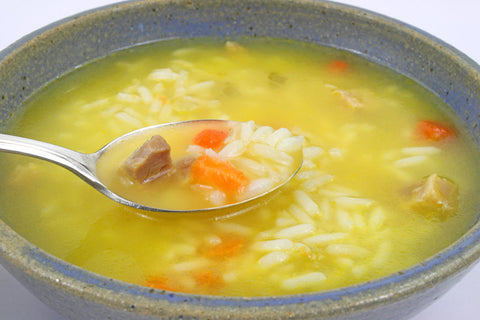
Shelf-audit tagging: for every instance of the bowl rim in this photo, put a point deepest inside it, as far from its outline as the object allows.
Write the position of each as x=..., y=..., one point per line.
x=456, y=259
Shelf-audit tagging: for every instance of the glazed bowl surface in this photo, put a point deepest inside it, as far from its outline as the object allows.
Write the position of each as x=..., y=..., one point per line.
x=44, y=55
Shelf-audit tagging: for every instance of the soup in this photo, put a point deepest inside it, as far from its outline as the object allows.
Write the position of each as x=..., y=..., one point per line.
x=388, y=178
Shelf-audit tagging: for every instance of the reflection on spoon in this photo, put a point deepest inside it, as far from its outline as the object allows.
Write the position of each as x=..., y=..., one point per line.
x=184, y=167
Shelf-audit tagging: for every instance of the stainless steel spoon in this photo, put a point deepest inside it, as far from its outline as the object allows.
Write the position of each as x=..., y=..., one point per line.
x=84, y=165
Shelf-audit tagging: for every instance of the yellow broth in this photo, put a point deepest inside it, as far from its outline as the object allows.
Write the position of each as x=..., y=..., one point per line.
x=344, y=219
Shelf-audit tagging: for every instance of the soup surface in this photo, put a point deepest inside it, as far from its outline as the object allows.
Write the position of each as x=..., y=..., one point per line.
x=388, y=178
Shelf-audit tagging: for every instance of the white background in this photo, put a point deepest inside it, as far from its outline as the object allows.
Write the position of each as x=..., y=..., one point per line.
x=455, y=22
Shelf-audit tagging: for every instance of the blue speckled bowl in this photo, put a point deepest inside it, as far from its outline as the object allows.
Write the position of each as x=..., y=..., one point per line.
x=44, y=55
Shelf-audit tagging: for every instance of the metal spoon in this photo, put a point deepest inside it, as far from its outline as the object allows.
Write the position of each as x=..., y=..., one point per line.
x=84, y=165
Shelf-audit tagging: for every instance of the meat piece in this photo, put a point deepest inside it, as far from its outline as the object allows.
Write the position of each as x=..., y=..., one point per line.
x=151, y=161
x=346, y=96
x=182, y=167
x=434, y=194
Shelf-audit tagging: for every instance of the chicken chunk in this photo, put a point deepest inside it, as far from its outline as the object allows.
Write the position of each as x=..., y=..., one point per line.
x=346, y=97
x=434, y=194
x=150, y=161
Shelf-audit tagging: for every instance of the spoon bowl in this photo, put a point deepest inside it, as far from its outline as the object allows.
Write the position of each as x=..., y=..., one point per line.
x=91, y=167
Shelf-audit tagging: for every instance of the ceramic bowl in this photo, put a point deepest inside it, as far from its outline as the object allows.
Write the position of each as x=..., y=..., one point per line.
x=50, y=52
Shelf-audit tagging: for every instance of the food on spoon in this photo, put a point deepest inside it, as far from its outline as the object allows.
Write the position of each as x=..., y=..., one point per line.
x=210, y=138
x=219, y=174
x=151, y=161
x=208, y=161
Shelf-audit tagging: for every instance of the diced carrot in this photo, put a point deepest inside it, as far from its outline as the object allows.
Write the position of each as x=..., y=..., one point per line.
x=228, y=247
x=162, y=99
x=208, y=278
x=161, y=282
x=434, y=131
x=210, y=138
x=337, y=66
x=218, y=174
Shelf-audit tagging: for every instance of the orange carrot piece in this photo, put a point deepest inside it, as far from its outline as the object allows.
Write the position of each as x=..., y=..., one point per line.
x=227, y=248
x=218, y=174
x=162, y=99
x=434, y=131
x=210, y=138
x=208, y=278
x=337, y=66
x=162, y=283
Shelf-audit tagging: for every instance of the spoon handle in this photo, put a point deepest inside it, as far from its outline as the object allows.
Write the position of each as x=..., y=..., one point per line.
x=81, y=164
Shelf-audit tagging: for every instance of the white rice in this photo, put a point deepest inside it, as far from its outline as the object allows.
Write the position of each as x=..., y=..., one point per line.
x=166, y=113
x=274, y=245
x=232, y=150
x=383, y=253
x=257, y=187
x=360, y=270
x=310, y=174
x=421, y=151
x=304, y=200
x=291, y=144
x=346, y=250
x=295, y=232
x=344, y=262
x=249, y=165
x=335, y=153
x=200, y=87
x=283, y=222
x=247, y=130
x=308, y=164
x=213, y=239
x=235, y=228
x=304, y=281
x=344, y=220
x=125, y=117
x=273, y=258
x=195, y=150
x=261, y=134
x=145, y=94
x=95, y=104
x=156, y=106
x=165, y=74
x=325, y=208
x=410, y=161
x=353, y=201
x=359, y=220
x=128, y=97
x=217, y=198
x=269, y=152
x=277, y=136
x=376, y=219
x=325, y=238
x=313, y=152
x=302, y=249
x=191, y=265
x=159, y=88
x=335, y=190
x=182, y=64
x=300, y=215
x=314, y=184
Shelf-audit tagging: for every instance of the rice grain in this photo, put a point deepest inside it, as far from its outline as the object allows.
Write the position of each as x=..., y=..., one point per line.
x=304, y=281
